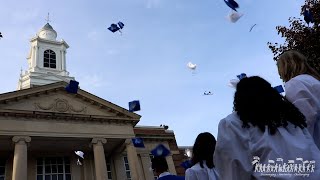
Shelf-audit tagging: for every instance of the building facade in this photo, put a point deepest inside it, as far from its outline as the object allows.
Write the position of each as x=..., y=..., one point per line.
x=42, y=125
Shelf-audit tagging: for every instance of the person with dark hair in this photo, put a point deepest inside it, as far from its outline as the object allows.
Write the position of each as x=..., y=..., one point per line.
x=202, y=158
x=265, y=136
x=302, y=85
x=160, y=167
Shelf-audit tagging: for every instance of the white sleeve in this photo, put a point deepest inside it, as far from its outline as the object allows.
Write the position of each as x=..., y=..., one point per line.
x=299, y=95
x=190, y=175
x=232, y=155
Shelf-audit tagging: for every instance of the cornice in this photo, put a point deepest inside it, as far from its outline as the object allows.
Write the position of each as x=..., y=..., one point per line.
x=65, y=117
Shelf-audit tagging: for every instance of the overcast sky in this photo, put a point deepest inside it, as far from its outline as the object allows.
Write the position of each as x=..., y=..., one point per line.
x=148, y=61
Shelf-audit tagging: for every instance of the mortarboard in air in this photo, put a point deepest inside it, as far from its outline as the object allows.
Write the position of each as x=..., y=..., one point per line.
x=113, y=28
x=191, y=66
x=233, y=83
x=279, y=89
x=207, y=93
x=186, y=164
x=134, y=106
x=1, y=35
x=79, y=153
x=72, y=87
x=138, y=142
x=234, y=17
x=160, y=150
x=241, y=76
x=232, y=4
x=308, y=17
x=121, y=25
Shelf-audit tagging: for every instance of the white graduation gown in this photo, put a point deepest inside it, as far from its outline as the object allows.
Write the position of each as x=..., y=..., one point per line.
x=196, y=172
x=236, y=147
x=304, y=92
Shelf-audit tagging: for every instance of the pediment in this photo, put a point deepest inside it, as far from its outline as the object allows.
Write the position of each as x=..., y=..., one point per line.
x=53, y=98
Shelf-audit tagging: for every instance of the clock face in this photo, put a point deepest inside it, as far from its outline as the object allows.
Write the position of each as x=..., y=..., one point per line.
x=47, y=35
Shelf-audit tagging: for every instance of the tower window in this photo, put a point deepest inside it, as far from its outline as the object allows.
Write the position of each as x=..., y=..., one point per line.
x=49, y=59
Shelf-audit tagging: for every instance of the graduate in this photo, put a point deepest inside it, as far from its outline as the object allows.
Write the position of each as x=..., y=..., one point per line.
x=302, y=86
x=202, y=159
x=266, y=134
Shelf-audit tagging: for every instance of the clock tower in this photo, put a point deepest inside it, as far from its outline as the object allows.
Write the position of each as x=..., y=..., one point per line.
x=46, y=60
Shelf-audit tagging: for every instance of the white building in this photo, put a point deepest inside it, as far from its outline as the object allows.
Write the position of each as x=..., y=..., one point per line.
x=41, y=125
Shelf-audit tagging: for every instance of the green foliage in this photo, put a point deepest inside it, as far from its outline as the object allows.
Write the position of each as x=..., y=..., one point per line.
x=301, y=36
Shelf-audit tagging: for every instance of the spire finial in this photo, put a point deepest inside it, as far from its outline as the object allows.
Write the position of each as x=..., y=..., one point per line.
x=48, y=18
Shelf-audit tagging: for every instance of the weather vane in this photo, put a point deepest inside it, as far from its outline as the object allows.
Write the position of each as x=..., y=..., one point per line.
x=48, y=18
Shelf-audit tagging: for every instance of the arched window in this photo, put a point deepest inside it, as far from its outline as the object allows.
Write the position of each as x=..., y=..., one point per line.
x=49, y=59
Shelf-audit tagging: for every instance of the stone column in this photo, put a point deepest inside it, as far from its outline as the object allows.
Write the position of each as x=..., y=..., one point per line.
x=20, y=158
x=146, y=165
x=64, y=52
x=99, y=158
x=133, y=161
x=171, y=165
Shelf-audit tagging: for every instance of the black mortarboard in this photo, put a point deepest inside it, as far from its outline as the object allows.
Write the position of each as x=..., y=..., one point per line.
x=279, y=89
x=134, y=106
x=121, y=25
x=241, y=76
x=113, y=28
x=72, y=87
x=160, y=150
x=186, y=164
x=308, y=16
x=138, y=142
x=232, y=4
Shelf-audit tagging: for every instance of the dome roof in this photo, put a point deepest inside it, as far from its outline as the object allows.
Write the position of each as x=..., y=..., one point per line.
x=47, y=32
x=47, y=27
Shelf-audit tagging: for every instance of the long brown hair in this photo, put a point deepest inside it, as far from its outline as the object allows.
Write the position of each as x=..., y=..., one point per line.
x=292, y=63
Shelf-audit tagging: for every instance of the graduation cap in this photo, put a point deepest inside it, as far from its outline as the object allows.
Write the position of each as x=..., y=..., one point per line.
x=232, y=4
x=134, y=106
x=308, y=17
x=72, y=87
x=138, y=142
x=234, y=17
x=241, y=76
x=233, y=83
x=121, y=25
x=113, y=28
x=279, y=89
x=207, y=93
x=80, y=154
x=160, y=150
x=1, y=35
x=186, y=164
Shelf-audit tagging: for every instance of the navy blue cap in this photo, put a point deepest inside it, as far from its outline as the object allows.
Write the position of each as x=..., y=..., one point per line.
x=232, y=4
x=241, y=76
x=72, y=87
x=186, y=164
x=308, y=17
x=113, y=28
x=134, y=106
x=138, y=142
x=160, y=150
x=121, y=25
x=279, y=89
